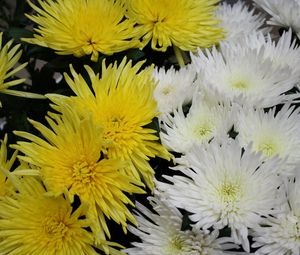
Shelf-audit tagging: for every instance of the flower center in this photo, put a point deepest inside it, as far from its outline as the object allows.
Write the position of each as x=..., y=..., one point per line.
x=240, y=85
x=229, y=192
x=167, y=90
x=268, y=148
x=175, y=245
x=203, y=130
x=114, y=127
x=119, y=131
x=187, y=243
x=55, y=228
x=83, y=172
x=91, y=42
x=296, y=232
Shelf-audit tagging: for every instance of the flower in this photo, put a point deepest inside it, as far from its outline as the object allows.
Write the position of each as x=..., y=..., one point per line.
x=227, y=186
x=283, y=53
x=238, y=20
x=203, y=122
x=186, y=24
x=283, y=13
x=83, y=27
x=161, y=233
x=174, y=88
x=279, y=234
x=32, y=223
x=275, y=133
x=244, y=75
x=9, y=57
x=69, y=159
x=122, y=102
x=6, y=186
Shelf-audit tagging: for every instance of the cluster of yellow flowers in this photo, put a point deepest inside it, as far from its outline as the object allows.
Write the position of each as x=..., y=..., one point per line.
x=97, y=148
x=91, y=27
x=97, y=145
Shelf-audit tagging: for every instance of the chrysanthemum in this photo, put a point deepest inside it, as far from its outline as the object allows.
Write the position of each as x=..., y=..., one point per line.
x=244, y=75
x=239, y=20
x=9, y=57
x=286, y=52
x=202, y=123
x=283, y=13
x=161, y=233
x=122, y=102
x=5, y=185
x=225, y=186
x=283, y=52
x=32, y=223
x=186, y=24
x=70, y=159
x=83, y=27
x=174, y=88
x=279, y=234
x=272, y=134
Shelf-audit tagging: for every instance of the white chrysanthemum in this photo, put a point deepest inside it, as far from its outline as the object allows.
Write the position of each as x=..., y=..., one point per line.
x=239, y=20
x=285, y=13
x=245, y=75
x=273, y=134
x=226, y=186
x=174, y=87
x=161, y=233
x=284, y=52
x=279, y=234
x=203, y=122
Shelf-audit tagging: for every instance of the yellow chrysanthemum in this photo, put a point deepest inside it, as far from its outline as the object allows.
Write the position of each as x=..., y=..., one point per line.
x=70, y=159
x=9, y=57
x=122, y=102
x=35, y=224
x=83, y=27
x=5, y=185
x=186, y=24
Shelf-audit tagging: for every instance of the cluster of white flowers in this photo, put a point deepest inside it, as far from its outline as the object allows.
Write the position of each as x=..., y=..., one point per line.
x=284, y=13
x=163, y=234
x=232, y=121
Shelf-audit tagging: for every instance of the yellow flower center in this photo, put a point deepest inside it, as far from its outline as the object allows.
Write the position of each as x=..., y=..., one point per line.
x=55, y=228
x=83, y=172
x=229, y=192
x=240, y=85
x=119, y=131
x=176, y=244
x=268, y=148
x=167, y=90
x=203, y=131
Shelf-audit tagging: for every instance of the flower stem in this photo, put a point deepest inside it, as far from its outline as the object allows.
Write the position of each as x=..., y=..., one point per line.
x=178, y=55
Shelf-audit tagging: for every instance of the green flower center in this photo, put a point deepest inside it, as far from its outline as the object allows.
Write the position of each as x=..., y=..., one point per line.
x=229, y=192
x=203, y=131
x=167, y=90
x=240, y=85
x=268, y=148
x=176, y=244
